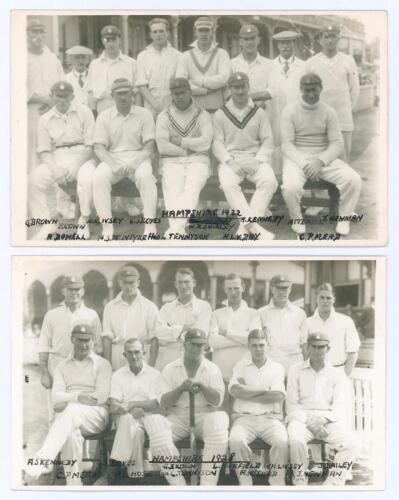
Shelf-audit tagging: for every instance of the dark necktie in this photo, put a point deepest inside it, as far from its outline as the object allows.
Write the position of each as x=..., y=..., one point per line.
x=80, y=80
x=286, y=67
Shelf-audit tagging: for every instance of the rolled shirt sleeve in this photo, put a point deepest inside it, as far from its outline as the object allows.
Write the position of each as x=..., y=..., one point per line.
x=148, y=130
x=88, y=127
x=354, y=84
x=101, y=133
x=45, y=344
x=107, y=325
x=352, y=341
x=44, y=143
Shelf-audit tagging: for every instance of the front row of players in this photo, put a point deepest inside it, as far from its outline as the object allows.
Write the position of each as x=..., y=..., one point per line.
x=122, y=143
x=143, y=400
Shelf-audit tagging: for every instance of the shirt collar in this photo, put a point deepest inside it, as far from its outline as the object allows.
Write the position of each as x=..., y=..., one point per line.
x=90, y=356
x=306, y=364
x=57, y=114
x=231, y=107
x=317, y=314
x=195, y=46
x=116, y=113
x=151, y=47
x=257, y=60
x=193, y=301
x=272, y=306
x=248, y=362
x=118, y=298
x=180, y=363
x=80, y=306
x=120, y=57
x=141, y=372
x=290, y=60
x=242, y=307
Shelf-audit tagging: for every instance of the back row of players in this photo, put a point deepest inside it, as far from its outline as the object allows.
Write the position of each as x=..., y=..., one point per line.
x=181, y=90
x=252, y=352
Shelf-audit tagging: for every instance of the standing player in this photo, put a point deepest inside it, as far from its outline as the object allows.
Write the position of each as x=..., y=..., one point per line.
x=55, y=335
x=129, y=315
x=156, y=65
x=257, y=386
x=65, y=145
x=284, y=324
x=340, y=77
x=176, y=317
x=184, y=136
x=104, y=70
x=124, y=142
x=132, y=397
x=257, y=67
x=230, y=326
x=243, y=146
x=190, y=373
x=312, y=143
x=205, y=66
x=44, y=69
x=80, y=58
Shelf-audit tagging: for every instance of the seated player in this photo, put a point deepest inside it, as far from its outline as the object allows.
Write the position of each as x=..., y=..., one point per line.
x=124, y=144
x=312, y=144
x=316, y=396
x=80, y=393
x=190, y=373
x=243, y=146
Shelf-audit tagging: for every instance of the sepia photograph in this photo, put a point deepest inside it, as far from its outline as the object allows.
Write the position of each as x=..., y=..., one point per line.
x=182, y=373
x=213, y=128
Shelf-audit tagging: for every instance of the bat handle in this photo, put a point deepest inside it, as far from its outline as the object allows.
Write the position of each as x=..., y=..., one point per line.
x=192, y=409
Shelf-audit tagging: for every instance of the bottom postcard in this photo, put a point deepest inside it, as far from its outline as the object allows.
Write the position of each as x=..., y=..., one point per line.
x=219, y=373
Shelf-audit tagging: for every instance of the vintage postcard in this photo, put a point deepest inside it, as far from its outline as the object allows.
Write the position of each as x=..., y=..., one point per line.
x=165, y=128
x=213, y=373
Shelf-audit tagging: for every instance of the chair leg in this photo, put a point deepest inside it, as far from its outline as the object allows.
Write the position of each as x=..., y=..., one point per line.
x=333, y=194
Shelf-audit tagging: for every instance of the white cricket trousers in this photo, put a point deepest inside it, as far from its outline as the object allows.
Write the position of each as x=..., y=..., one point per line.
x=211, y=427
x=129, y=443
x=265, y=186
x=182, y=182
x=339, y=438
x=104, y=177
x=42, y=196
x=337, y=172
x=66, y=435
x=246, y=429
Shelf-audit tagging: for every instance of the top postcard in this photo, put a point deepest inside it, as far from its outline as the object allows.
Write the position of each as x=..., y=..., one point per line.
x=250, y=129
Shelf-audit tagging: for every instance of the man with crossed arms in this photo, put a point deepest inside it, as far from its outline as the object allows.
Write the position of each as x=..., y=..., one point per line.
x=132, y=396
x=184, y=135
x=243, y=146
x=124, y=143
x=175, y=317
x=80, y=393
x=230, y=326
x=190, y=373
x=129, y=315
x=205, y=66
x=258, y=387
x=314, y=407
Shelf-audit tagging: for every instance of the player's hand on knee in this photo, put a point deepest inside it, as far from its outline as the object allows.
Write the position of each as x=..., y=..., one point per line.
x=46, y=380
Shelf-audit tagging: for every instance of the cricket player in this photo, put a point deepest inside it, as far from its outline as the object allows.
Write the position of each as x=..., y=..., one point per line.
x=184, y=134
x=176, y=317
x=258, y=389
x=312, y=144
x=243, y=146
x=206, y=66
x=132, y=396
x=257, y=67
x=108, y=67
x=129, y=315
x=156, y=66
x=340, y=77
x=44, y=69
x=230, y=326
x=314, y=407
x=80, y=58
x=55, y=335
x=190, y=373
x=65, y=146
x=284, y=324
x=124, y=141
x=80, y=392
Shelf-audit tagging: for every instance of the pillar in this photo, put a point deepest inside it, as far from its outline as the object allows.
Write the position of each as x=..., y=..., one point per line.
x=174, y=21
x=125, y=34
x=254, y=264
